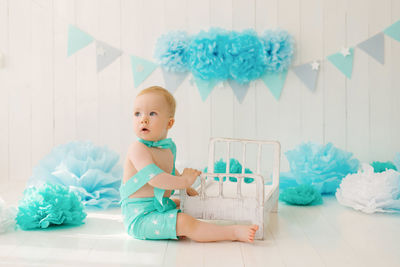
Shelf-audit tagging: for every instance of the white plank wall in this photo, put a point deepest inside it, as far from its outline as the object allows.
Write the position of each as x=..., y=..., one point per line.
x=4, y=91
x=47, y=98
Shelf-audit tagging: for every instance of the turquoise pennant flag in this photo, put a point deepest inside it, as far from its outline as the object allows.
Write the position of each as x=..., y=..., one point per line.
x=205, y=87
x=393, y=31
x=343, y=61
x=275, y=82
x=77, y=39
x=141, y=69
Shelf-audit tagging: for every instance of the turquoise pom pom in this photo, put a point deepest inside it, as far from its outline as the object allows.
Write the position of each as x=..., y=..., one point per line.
x=383, y=166
x=278, y=47
x=247, y=56
x=322, y=166
x=234, y=167
x=302, y=195
x=396, y=161
x=49, y=205
x=171, y=51
x=207, y=55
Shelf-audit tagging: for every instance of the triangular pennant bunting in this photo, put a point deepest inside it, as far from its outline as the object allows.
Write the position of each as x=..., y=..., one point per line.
x=374, y=47
x=275, y=82
x=343, y=61
x=141, y=69
x=205, y=87
x=308, y=74
x=77, y=39
x=240, y=90
x=173, y=79
x=393, y=31
x=106, y=55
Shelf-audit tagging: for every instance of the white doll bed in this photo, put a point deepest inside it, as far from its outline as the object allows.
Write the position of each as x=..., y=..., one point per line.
x=236, y=201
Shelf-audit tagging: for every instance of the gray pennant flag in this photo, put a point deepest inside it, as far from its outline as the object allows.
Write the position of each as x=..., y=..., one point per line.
x=173, y=79
x=307, y=74
x=106, y=54
x=374, y=47
x=240, y=90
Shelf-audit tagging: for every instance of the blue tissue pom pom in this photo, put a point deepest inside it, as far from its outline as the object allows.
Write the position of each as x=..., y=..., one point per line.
x=207, y=55
x=248, y=61
x=90, y=171
x=172, y=51
x=383, y=166
x=234, y=167
x=322, y=166
x=278, y=47
x=302, y=195
x=49, y=205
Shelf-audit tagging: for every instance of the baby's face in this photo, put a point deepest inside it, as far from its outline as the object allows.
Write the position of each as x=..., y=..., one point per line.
x=151, y=117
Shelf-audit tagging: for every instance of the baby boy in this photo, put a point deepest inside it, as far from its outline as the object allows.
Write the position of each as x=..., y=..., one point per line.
x=150, y=178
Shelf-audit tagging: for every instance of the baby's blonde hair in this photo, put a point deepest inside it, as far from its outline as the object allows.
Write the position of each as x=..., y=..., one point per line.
x=167, y=95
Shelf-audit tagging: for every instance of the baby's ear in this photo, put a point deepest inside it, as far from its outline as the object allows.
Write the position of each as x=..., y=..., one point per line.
x=170, y=123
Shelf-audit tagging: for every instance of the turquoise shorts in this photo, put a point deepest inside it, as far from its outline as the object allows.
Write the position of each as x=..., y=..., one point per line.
x=144, y=219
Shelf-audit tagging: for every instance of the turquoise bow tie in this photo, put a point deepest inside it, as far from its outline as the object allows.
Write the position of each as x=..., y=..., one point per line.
x=164, y=143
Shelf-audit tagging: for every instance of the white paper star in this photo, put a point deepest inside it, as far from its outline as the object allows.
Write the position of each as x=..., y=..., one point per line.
x=315, y=65
x=345, y=51
x=140, y=68
x=191, y=81
x=100, y=51
x=157, y=232
x=136, y=210
x=220, y=85
x=135, y=180
x=151, y=175
x=171, y=215
x=155, y=222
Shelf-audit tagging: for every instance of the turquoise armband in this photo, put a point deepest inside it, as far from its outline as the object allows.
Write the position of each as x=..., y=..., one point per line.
x=137, y=181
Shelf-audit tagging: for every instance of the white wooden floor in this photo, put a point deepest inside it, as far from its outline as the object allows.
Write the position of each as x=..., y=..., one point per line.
x=326, y=235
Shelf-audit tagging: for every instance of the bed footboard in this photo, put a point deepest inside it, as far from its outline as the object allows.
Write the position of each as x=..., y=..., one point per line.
x=239, y=208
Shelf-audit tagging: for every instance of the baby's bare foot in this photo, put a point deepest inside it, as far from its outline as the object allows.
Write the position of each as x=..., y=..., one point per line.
x=245, y=233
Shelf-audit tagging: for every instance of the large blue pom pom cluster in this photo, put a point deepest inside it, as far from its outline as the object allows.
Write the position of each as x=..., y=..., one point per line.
x=220, y=55
x=49, y=205
x=90, y=171
x=322, y=166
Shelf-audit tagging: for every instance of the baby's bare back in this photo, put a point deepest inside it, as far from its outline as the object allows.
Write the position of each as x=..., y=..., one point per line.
x=163, y=158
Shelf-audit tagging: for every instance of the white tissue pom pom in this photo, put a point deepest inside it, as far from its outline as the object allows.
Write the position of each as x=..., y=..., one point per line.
x=371, y=192
x=7, y=216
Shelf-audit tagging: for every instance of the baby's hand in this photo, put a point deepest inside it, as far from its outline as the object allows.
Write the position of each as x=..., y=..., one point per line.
x=190, y=175
x=191, y=192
